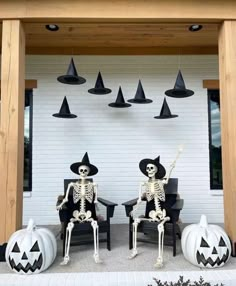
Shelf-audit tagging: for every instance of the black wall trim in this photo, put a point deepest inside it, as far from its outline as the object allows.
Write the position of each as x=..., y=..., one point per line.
x=29, y=102
x=210, y=93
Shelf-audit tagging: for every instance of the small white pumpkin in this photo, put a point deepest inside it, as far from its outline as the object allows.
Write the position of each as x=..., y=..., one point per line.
x=205, y=245
x=31, y=250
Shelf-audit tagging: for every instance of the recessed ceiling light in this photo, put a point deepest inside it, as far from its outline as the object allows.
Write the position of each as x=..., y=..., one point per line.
x=52, y=27
x=195, y=28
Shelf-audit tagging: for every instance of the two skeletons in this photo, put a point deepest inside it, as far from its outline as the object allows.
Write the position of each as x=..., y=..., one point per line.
x=83, y=190
x=153, y=189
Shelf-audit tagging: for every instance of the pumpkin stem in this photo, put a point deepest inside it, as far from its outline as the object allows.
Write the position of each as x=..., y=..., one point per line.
x=203, y=221
x=31, y=225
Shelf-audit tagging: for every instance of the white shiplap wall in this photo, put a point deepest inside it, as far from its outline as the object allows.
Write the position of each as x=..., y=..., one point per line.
x=117, y=139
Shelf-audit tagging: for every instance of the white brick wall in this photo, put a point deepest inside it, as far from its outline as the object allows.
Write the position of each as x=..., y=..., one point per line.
x=117, y=139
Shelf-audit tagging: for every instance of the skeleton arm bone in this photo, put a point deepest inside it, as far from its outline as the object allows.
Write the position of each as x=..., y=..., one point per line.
x=166, y=179
x=95, y=189
x=141, y=193
x=172, y=165
x=65, y=200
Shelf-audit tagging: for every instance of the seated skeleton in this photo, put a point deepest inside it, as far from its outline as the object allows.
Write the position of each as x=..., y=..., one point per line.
x=152, y=190
x=83, y=190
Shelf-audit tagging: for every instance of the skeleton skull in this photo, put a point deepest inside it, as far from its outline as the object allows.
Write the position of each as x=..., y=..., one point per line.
x=151, y=169
x=84, y=171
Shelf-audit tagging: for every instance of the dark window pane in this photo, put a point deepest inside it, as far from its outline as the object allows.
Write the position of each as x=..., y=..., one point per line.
x=28, y=142
x=215, y=140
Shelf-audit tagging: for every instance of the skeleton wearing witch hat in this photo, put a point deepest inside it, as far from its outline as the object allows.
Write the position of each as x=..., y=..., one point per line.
x=153, y=190
x=84, y=192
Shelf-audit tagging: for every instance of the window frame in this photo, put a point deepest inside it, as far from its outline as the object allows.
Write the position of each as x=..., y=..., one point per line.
x=29, y=93
x=212, y=185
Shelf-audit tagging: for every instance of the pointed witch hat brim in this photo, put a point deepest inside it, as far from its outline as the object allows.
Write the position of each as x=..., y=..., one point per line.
x=71, y=77
x=64, y=111
x=179, y=90
x=85, y=161
x=120, y=101
x=165, y=112
x=161, y=172
x=140, y=95
x=99, y=86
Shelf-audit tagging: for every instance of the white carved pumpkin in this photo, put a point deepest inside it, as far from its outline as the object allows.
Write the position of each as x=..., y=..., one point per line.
x=31, y=250
x=205, y=245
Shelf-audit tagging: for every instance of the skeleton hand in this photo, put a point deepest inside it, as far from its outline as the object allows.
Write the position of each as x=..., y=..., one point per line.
x=59, y=207
x=135, y=207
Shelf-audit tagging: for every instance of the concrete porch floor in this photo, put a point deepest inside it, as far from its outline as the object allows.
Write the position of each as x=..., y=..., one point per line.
x=116, y=261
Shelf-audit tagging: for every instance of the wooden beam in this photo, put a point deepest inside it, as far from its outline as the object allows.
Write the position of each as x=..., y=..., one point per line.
x=211, y=83
x=227, y=62
x=123, y=50
x=29, y=83
x=119, y=10
x=12, y=127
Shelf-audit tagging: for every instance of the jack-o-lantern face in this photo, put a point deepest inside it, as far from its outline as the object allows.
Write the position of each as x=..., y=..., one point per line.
x=31, y=250
x=205, y=245
x=23, y=260
x=212, y=255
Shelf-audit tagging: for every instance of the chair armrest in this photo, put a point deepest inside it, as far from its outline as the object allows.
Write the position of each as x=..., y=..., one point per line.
x=130, y=203
x=129, y=206
x=178, y=205
x=106, y=203
x=109, y=205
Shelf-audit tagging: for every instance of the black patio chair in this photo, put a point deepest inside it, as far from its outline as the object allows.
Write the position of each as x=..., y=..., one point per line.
x=173, y=205
x=82, y=232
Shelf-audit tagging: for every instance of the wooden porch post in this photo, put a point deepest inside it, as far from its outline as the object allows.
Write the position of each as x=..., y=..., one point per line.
x=12, y=127
x=227, y=63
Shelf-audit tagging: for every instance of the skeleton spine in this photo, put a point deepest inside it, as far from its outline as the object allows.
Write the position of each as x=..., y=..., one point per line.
x=82, y=205
x=157, y=203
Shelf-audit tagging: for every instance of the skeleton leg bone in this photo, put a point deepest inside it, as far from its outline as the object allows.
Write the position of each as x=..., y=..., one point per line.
x=161, y=230
x=135, y=229
x=69, y=229
x=94, y=225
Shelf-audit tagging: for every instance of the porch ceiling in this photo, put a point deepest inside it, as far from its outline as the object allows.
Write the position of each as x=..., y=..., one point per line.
x=121, y=38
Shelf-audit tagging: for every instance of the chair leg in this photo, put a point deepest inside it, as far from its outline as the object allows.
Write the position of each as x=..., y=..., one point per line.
x=174, y=238
x=64, y=238
x=130, y=234
x=109, y=240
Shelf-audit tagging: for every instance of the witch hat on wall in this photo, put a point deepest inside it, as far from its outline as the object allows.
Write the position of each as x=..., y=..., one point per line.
x=64, y=111
x=71, y=77
x=120, y=101
x=161, y=169
x=85, y=161
x=99, y=86
x=165, y=112
x=179, y=90
x=140, y=95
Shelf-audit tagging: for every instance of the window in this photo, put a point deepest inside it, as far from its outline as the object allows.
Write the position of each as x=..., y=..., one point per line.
x=28, y=140
x=215, y=140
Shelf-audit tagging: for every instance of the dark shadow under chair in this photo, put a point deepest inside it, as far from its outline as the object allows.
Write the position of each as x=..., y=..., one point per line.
x=82, y=232
x=173, y=205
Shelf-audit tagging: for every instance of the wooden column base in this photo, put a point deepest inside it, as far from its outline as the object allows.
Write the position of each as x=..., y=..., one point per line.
x=2, y=251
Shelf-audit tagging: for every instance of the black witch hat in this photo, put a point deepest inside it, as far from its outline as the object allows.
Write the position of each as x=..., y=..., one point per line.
x=140, y=95
x=64, y=111
x=161, y=171
x=165, y=112
x=179, y=90
x=85, y=161
x=71, y=76
x=99, y=86
x=120, y=101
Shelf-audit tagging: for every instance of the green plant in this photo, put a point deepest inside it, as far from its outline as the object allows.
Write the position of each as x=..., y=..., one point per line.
x=181, y=282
